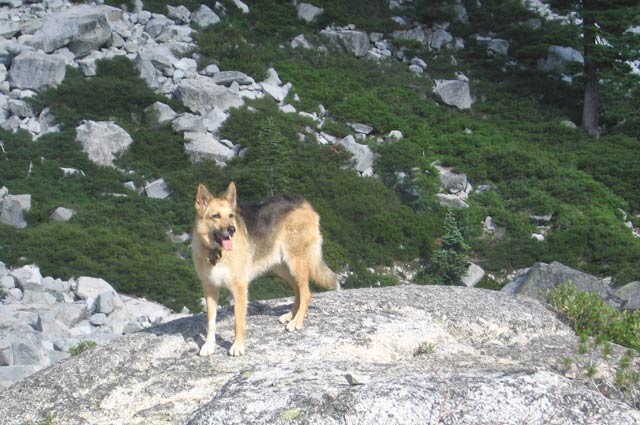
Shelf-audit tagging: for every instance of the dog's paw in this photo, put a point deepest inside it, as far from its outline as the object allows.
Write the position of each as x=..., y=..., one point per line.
x=294, y=326
x=286, y=318
x=236, y=350
x=208, y=348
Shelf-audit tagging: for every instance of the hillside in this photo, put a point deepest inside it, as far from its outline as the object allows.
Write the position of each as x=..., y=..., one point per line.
x=296, y=101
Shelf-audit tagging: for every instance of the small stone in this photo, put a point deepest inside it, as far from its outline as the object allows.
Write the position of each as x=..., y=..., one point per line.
x=98, y=319
x=157, y=189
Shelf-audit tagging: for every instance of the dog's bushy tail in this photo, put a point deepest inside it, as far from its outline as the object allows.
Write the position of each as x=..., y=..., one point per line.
x=322, y=275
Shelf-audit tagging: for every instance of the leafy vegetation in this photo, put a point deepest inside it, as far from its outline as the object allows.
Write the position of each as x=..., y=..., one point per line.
x=590, y=315
x=81, y=347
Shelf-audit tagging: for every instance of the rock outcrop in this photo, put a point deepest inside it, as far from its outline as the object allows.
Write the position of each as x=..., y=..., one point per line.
x=41, y=318
x=535, y=281
x=397, y=355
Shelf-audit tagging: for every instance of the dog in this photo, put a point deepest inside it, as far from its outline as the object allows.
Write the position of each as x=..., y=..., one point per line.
x=233, y=244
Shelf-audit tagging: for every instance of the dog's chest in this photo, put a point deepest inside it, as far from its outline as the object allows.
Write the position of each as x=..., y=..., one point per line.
x=220, y=276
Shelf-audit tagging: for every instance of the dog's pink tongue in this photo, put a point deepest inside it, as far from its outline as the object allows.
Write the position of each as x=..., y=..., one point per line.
x=226, y=244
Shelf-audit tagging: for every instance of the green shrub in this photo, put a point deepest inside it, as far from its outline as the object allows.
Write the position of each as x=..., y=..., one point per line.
x=81, y=347
x=589, y=314
x=116, y=93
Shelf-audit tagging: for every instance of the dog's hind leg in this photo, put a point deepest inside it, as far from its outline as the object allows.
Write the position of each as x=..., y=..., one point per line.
x=284, y=273
x=300, y=272
x=211, y=294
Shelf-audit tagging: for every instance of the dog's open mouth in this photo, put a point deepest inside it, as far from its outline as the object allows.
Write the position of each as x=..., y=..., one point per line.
x=224, y=242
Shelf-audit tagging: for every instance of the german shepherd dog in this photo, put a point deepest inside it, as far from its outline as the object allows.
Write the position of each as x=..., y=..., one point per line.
x=234, y=244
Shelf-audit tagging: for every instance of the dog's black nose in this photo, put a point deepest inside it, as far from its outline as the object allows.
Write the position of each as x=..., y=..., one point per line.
x=231, y=230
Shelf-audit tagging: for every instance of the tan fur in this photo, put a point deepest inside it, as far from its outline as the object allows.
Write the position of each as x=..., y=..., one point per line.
x=292, y=249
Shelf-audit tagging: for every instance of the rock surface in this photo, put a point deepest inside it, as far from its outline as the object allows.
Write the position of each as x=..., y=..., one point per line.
x=397, y=355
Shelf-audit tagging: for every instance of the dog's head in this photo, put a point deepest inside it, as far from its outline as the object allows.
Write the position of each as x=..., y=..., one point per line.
x=216, y=218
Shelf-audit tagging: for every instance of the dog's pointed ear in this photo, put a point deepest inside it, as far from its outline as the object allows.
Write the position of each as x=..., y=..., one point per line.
x=202, y=199
x=230, y=194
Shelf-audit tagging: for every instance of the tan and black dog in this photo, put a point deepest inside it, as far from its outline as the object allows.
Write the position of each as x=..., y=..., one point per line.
x=234, y=244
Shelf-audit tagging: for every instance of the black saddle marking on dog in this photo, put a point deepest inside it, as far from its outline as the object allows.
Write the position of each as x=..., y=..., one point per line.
x=262, y=217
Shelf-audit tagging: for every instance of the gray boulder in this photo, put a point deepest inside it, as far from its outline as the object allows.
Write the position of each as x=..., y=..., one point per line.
x=189, y=123
x=103, y=141
x=452, y=182
x=451, y=201
x=498, y=47
x=157, y=189
x=362, y=155
x=558, y=59
x=226, y=78
x=240, y=5
x=205, y=147
x=12, y=208
x=27, y=277
x=38, y=298
x=214, y=120
x=440, y=39
x=536, y=281
x=20, y=108
x=105, y=302
x=147, y=71
x=201, y=94
x=179, y=14
x=62, y=214
x=308, y=12
x=454, y=93
x=631, y=294
x=204, y=16
x=145, y=311
x=159, y=114
x=360, y=128
x=98, y=319
x=301, y=41
x=473, y=275
x=70, y=314
x=90, y=288
x=36, y=70
x=80, y=28
x=188, y=66
x=418, y=33
x=7, y=282
x=354, y=42
x=397, y=355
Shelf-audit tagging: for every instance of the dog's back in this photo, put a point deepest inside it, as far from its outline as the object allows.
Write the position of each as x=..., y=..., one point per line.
x=284, y=232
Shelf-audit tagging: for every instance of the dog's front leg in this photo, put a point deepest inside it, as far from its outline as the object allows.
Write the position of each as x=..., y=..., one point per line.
x=239, y=293
x=211, y=294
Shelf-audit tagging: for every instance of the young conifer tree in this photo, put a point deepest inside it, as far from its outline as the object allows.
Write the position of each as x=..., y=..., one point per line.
x=450, y=261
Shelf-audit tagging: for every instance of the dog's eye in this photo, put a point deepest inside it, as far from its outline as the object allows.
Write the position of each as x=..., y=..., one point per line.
x=230, y=215
x=216, y=215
